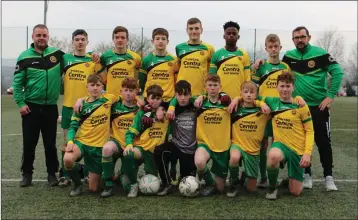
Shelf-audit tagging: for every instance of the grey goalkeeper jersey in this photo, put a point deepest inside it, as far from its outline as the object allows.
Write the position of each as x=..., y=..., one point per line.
x=184, y=129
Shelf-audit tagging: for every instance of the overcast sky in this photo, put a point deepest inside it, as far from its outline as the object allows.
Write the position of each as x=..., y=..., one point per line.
x=99, y=18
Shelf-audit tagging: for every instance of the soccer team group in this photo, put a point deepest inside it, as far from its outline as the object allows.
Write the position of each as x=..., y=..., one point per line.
x=198, y=105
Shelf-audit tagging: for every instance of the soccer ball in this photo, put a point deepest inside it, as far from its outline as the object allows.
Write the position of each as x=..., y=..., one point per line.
x=149, y=184
x=189, y=186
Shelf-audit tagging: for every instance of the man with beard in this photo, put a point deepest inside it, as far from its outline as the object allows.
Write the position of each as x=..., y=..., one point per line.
x=310, y=65
x=231, y=63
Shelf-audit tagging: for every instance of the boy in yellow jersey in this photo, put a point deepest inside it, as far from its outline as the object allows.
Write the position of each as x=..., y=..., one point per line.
x=293, y=137
x=194, y=57
x=93, y=123
x=231, y=63
x=122, y=116
x=159, y=67
x=141, y=140
x=248, y=126
x=266, y=78
x=76, y=68
x=119, y=62
x=213, y=137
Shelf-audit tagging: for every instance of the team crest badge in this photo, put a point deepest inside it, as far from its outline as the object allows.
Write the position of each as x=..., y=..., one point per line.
x=293, y=111
x=87, y=64
x=240, y=58
x=308, y=114
x=53, y=59
x=311, y=64
x=170, y=64
x=106, y=105
x=201, y=52
x=129, y=62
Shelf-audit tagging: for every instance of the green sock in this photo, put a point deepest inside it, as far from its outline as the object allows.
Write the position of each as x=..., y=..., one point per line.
x=108, y=168
x=263, y=163
x=234, y=173
x=129, y=167
x=64, y=171
x=75, y=175
x=272, y=174
x=206, y=175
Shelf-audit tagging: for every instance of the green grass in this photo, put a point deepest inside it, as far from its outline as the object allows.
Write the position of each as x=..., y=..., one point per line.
x=43, y=202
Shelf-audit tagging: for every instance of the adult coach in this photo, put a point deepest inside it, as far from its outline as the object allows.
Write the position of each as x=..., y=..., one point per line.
x=36, y=84
x=310, y=65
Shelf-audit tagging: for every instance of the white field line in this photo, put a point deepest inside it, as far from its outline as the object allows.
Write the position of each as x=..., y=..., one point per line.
x=314, y=180
x=333, y=129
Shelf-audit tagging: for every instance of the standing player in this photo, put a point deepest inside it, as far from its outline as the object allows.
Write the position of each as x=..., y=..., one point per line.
x=119, y=62
x=293, y=137
x=76, y=69
x=159, y=67
x=213, y=136
x=93, y=123
x=194, y=57
x=231, y=63
x=122, y=116
x=266, y=78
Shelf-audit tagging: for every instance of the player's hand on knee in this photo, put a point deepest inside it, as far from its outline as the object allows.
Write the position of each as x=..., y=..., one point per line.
x=305, y=160
x=170, y=114
x=128, y=149
x=224, y=99
x=77, y=108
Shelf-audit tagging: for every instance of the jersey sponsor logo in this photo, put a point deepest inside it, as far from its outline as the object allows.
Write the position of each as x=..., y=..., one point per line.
x=155, y=133
x=271, y=83
x=124, y=124
x=248, y=126
x=98, y=120
x=212, y=118
x=192, y=63
x=36, y=62
x=53, y=59
x=77, y=75
x=283, y=123
x=311, y=64
x=119, y=73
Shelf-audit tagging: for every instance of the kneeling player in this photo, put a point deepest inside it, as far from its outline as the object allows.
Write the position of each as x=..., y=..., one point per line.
x=293, y=135
x=122, y=115
x=248, y=126
x=142, y=140
x=94, y=124
x=213, y=136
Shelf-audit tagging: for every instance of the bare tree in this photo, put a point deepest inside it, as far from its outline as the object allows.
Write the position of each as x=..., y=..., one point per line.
x=333, y=42
x=134, y=44
x=64, y=44
x=260, y=53
x=351, y=67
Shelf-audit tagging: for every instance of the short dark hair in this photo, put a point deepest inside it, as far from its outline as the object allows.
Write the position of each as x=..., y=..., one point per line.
x=130, y=83
x=160, y=31
x=155, y=90
x=193, y=21
x=301, y=28
x=287, y=77
x=42, y=26
x=95, y=78
x=119, y=29
x=231, y=24
x=183, y=87
x=79, y=32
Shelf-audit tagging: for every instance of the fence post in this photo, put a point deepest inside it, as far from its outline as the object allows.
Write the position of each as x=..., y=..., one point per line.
x=27, y=37
x=141, y=44
x=255, y=46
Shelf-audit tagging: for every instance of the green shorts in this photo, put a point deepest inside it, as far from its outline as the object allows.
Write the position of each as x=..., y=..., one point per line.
x=220, y=161
x=66, y=117
x=251, y=162
x=119, y=154
x=149, y=163
x=268, y=129
x=292, y=160
x=92, y=157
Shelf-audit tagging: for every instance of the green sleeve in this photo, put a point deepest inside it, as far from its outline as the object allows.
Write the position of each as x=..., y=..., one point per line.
x=74, y=125
x=173, y=103
x=170, y=129
x=256, y=76
x=213, y=68
x=135, y=129
x=18, y=83
x=142, y=77
x=336, y=72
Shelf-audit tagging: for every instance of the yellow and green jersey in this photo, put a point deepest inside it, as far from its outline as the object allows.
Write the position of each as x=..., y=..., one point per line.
x=93, y=122
x=146, y=138
x=76, y=70
x=266, y=78
x=118, y=67
x=213, y=126
x=292, y=125
x=248, y=128
x=159, y=70
x=194, y=64
x=122, y=117
x=233, y=67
